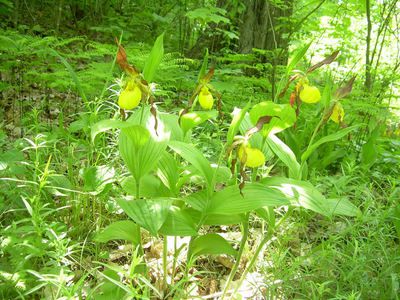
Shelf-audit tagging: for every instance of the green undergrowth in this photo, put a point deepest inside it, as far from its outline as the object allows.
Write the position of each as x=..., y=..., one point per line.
x=61, y=185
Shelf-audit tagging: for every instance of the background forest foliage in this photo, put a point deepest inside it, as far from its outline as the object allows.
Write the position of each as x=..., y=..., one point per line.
x=68, y=230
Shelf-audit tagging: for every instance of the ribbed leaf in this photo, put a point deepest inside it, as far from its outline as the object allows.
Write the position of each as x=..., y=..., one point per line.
x=195, y=157
x=222, y=173
x=304, y=194
x=140, y=160
x=192, y=119
x=197, y=200
x=149, y=186
x=168, y=172
x=342, y=207
x=297, y=57
x=149, y=214
x=329, y=138
x=120, y=230
x=255, y=195
x=178, y=223
x=138, y=134
x=210, y=244
x=154, y=59
x=171, y=123
x=285, y=154
x=283, y=116
x=95, y=178
x=105, y=125
x=216, y=219
x=300, y=193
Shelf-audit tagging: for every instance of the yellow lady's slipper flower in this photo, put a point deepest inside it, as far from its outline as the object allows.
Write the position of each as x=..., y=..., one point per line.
x=254, y=157
x=130, y=97
x=337, y=113
x=206, y=99
x=310, y=94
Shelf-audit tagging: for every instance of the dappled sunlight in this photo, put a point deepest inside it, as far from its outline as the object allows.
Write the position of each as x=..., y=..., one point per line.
x=159, y=134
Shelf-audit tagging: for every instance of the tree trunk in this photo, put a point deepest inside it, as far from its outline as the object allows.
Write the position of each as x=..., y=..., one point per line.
x=264, y=26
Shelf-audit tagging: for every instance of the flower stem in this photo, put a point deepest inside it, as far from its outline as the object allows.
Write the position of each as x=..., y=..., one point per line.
x=140, y=246
x=267, y=238
x=165, y=264
x=317, y=128
x=254, y=259
x=245, y=234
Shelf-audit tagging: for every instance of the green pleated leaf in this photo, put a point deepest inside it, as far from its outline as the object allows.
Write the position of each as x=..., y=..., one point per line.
x=329, y=138
x=195, y=157
x=138, y=134
x=210, y=244
x=178, y=223
x=168, y=172
x=140, y=160
x=195, y=118
x=120, y=230
x=300, y=193
x=148, y=213
x=285, y=154
x=216, y=219
x=95, y=178
x=342, y=207
x=154, y=60
x=283, y=116
x=150, y=186
x=105, y=125
x=304, y=194
x=299, y=54
x=197, y=200
x=222, y=173
x=255, y=195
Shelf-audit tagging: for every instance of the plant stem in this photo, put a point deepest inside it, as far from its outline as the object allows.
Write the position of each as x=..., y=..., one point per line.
x=141, y=115
x=270, y=233
x=254, y=259
x=174, y=261
x=165, y=264
x=315, y=132
x=245, y=234
x=140, y=250
x=317, y=128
